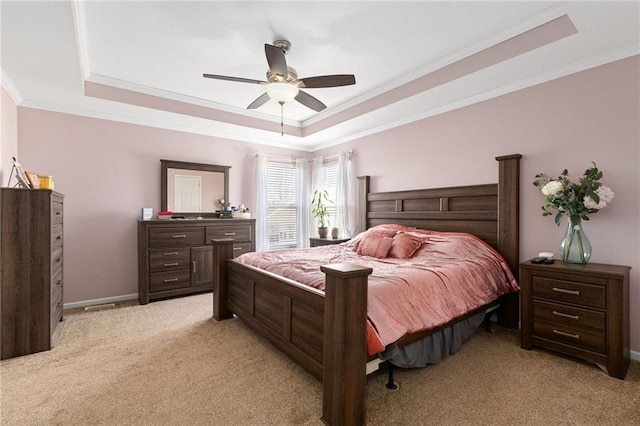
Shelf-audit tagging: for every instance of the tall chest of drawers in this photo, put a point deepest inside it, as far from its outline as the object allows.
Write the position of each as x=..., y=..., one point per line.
x=578, y=310
x=31, y=246
x=175, y=257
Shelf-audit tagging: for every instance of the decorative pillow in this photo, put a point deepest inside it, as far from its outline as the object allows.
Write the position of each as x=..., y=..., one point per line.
x=405, y=245
x=379, y=231
x=375, y=245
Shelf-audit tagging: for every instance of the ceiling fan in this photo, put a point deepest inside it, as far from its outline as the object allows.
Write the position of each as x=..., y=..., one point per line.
x=283, y=84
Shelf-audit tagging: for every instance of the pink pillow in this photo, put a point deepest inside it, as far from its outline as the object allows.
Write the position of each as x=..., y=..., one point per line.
x=405, y=245
x=375, y=245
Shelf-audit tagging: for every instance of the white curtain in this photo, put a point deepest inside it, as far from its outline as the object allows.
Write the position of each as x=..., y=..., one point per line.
x=317, y=183
x=303, y=189
x=260, y=208
x=344, y=218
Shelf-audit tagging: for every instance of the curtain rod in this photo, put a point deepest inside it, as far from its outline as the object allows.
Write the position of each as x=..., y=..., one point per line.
x=293, y=160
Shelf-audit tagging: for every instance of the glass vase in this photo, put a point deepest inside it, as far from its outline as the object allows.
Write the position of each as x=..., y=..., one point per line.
x=575, y=246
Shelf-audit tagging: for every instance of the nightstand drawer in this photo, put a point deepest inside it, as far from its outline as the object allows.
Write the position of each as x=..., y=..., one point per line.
x=568, y=315
x=573, y=292
x=573, y=336
x=241, y=248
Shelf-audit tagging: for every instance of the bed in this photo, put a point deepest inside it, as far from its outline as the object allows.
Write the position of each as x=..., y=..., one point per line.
x=327, y=332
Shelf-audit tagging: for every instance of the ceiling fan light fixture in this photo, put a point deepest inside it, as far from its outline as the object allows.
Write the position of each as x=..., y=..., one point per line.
x=282, y=92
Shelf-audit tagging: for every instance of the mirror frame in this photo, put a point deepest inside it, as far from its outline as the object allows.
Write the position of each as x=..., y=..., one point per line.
x=171, y=164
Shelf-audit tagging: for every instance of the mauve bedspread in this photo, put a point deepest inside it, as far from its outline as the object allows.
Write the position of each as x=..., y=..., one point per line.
x=450, y=275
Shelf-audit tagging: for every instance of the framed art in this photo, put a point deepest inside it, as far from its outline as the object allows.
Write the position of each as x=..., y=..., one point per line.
x=34, y=179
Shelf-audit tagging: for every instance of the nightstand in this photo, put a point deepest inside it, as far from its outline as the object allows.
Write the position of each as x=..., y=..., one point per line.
x=577, y=310
x=317, y=242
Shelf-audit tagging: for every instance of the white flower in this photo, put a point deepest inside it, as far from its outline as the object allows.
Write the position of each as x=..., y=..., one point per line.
x=604, y=193
x=552, y=188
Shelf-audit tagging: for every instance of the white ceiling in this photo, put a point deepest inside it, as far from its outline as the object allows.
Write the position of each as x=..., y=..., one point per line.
x=142, y=62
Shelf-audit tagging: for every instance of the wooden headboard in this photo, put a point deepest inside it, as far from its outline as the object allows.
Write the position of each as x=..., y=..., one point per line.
x=490, y=211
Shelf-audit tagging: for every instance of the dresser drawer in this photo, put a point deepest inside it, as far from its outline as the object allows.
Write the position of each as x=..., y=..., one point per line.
x=56, y=261
x=56, y=237
x=160, y=281
x=574, y=292
x=57, y=283
x=573, y=336
x=56, y=310
x=166, y=260
x=241, y=248
x=237, y=232
x=56, y=213
x=568, y=315
x=176, y=237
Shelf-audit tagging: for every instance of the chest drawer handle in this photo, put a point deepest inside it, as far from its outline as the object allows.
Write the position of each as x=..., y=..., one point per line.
x=229, y=233
x=59, y=282
x=562, y=333
x=237, y=248
x=563, y=315
x=179, y=236
x=170, y=280
x=173, y=253
x=171, y=264
x=565, y=291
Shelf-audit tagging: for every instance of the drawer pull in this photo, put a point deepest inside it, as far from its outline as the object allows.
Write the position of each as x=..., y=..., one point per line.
x=58, y=213
x=179, y=236
x=58, y=304
x=173, y=253
x=237, y=248
x=58, y=238
x=170, y=280
x=171, y=264
x=58, y=260
x=195, y=270
x=562, y=333
x=565, y=291
x=563, y=315
x=59, y=282
x=229, y=233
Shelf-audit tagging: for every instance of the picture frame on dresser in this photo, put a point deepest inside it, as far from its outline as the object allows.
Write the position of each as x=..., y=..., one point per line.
x=34, y=179
x=20, y=174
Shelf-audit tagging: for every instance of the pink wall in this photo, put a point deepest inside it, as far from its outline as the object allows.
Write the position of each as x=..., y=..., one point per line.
x=109, y=170
x=566, y=123
x=8, y=137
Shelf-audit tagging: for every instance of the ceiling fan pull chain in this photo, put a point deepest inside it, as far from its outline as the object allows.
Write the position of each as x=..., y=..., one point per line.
x=281, y=118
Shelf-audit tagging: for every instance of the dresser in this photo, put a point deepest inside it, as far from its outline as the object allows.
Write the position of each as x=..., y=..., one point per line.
x=31, y=252
x=175, y=257
x=578, y=310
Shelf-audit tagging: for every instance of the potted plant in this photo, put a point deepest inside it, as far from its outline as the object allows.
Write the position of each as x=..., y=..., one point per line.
x=319, y=211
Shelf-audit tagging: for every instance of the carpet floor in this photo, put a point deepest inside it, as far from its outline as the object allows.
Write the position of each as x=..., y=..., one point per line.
x=170, y=363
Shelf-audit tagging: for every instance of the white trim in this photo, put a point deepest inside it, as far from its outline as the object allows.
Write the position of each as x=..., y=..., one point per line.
x=635, y=355
x=103, y=301
x=81, y=39
x=10, y=88
x=613, y=56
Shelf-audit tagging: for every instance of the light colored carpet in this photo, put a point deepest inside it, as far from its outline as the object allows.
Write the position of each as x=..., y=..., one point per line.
x=170, y=363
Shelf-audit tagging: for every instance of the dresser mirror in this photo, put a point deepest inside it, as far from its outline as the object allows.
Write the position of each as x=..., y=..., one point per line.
x=193, y=189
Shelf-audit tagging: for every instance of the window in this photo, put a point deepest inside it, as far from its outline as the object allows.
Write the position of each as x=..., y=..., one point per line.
x=331, y=185
x=282, y=202
x=281, y=205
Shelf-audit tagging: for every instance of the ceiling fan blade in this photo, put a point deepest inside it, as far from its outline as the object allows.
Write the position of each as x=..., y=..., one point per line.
x=309, y=101
x=259, y=102
x=238, y=79
x=328, y=81
x=276, y=60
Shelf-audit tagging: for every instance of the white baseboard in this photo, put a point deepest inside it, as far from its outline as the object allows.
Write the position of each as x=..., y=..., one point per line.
x=102, y=301
x=635, y=356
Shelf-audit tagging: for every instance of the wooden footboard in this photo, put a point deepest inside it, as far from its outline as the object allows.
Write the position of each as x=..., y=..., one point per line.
x=325, y=333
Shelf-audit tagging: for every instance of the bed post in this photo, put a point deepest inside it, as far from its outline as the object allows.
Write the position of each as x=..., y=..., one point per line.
x=509, y=230
x=345, y=342
x=363, y=191
x=222, y=251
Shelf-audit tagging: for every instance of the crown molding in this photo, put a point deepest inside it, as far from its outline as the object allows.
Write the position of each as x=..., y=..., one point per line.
x=11, y=90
